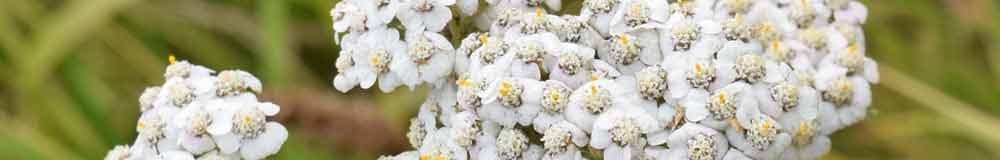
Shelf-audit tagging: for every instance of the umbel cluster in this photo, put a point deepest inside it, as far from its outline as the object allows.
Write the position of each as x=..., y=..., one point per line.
x=620, y=79
x=204, y=114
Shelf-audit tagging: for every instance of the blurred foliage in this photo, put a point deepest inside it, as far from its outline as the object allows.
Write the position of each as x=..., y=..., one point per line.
x=75, y=68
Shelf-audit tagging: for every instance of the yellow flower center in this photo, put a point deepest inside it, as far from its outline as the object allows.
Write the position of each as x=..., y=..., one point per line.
x=483, y=38
x=624, y=39
x=141, y=125
x=697, y=67
x=171, y=59
x=504, y=88
x=538, y=11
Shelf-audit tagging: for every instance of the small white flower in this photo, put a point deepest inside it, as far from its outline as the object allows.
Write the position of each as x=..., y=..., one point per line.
x=511, y=144
x=529, y=52
x=154, y=130
x=120, y=152
x=849, y=95
x=589, y=101
x=511, y=101
x=696, y=142
x=652, y=82
x=492, y=51
x=555, y=99
x=348, y=73
x=463, y=53
x=562, y=140
x=600, y=12
x=807, y=13
x=621, y=129
x=575, y=29
x=348, y=17
x=427, y=58
x=636, y=13
x=242, y=126
x=424, y=15
x=725, y=106
x=193, y=122
x=571, y=64
x=848, y=11
x=184, y=69
x=854, y=61
x=378, y=49
x=379, y=12
x=808, y=140
x=761, y=137
x=419, y=130
x=694, y=36
x=234, y=82
x=148, y=98
x=439, y=145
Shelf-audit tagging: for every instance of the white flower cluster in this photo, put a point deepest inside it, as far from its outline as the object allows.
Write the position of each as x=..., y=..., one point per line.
x=635, y=79
x=200, y=114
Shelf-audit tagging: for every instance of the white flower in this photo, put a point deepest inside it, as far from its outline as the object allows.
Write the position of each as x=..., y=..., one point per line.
x=848, y=11
x=620, y=130
x=379, y=12
x=511, y=144
x=418, y=131
x=242, y=126
x=808, y=140
x=738, y=62
x=849, y=95
x=539, y=22
x=348, y=17
x=193, y=122
x=575, y=29
x=562, y=140
x=377, y=50
x=725, y=107
x=571, y=64
x=511, y=101
x=631, y=53
x=427, y=58
x=554, y=100
x=591, y=100
x=154, y=130
x=694, y=36
x=120, y=152
x=696, y=142
x=348, y=74
x=636, y=13
x=528, y=54
x=408, y=155
x=186, y=70
x=439, y=145
x=492, y=51
x=600, y=12
x=760, y=137
x=463, y=53
x=854, y=61
x=425, y=15
x=783, y=97
x=234, y=82
x=807, y=13
x=148, y=98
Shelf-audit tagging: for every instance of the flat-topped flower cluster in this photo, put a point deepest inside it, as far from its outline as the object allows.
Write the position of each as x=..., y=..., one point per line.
x=634, y=79
x=198, y=113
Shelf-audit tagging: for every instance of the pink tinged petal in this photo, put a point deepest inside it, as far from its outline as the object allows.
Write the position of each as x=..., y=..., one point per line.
x=228, y=143
x=266, y=144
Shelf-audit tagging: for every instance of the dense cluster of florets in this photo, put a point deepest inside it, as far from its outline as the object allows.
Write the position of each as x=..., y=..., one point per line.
x=200, y=114
x=643, y=79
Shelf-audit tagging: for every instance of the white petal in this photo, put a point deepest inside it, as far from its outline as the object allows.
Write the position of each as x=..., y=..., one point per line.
x=228, y=143
x=266, y=144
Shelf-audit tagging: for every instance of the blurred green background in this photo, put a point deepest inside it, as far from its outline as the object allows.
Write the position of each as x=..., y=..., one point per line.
x=72, y=71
